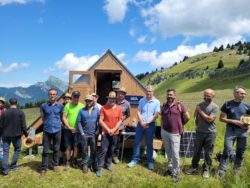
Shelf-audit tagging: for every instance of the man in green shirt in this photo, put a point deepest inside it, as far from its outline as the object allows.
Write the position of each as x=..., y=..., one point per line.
x=70, y=114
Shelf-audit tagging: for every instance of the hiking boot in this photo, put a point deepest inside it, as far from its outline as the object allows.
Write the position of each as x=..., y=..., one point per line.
x=221, y=173
x=109, y=168
x=206, y=174
x=132, y=164
x=98, y=173
x=56, y=169
x=191, y=171
x=151, y=166
x=116, y=160
x=84, y=169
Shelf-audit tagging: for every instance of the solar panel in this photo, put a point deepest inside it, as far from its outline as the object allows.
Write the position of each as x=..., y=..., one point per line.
x=187, y=144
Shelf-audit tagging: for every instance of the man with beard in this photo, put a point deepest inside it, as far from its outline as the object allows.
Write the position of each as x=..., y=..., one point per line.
x=87, y=125
x=231, y=113
x=121, y=93
x=148, y=111
x=110, y=121
x=205, y=115
x=173, y=116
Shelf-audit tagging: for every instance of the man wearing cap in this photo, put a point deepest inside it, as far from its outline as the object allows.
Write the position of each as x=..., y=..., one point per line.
x=148, y=110
x=51, y=113
x=12, y=127
x=70, y=113
x=120, y=100
x=110, y=121
x=2, y=109
x=87, y=125
x=236, y=130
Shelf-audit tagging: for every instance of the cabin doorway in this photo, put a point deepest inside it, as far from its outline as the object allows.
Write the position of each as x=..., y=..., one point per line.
x=105, y=83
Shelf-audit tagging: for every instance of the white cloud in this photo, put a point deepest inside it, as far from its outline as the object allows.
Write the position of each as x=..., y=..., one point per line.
x=199, y=18
x=6, y=2
x=116, y=10
x=12, y=67
x=168, y=58
x=142, y=39
x=71, y=62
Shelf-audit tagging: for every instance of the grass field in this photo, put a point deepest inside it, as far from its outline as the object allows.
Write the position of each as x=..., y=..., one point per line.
x=27, y=175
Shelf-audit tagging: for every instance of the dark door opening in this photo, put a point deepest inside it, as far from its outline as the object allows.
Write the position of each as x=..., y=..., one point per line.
x=105, y=83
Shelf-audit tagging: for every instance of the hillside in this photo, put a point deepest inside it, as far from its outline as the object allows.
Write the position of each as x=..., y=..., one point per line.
x=199, y=72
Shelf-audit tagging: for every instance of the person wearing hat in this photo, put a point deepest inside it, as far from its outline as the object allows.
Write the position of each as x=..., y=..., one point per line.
x=70, y=113
x=110, y=121
x=120, y=100
x=51, y=114
x=12, y=126
x=87, y=125
x=236, y=130
x=66, y=100
x=148, y=110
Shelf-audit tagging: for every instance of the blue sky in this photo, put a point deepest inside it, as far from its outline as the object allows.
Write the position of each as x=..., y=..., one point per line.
x=39, y=38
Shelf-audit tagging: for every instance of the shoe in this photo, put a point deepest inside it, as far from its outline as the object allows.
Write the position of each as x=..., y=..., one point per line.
x=56, y=169
x=206, y=174
x=116, y=160
x=109, y=167
x=98, y=173
x=5, y=173
x=176, y=178
x=191, y=171
x=67, y=166
x=132, y=164
x=168, y=172
x=42, y=172
x=151, y=166
x=221, y=173
x=84, y=169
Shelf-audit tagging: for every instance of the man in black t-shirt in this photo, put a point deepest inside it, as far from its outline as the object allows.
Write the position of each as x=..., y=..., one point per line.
x=231, y=112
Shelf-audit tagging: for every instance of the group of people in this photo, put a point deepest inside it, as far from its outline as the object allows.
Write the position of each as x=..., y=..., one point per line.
x=73, y=128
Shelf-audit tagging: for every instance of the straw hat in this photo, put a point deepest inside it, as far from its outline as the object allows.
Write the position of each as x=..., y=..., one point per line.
x=122, y=89
x=2, y=99
x=89, y=97
x=112, y=95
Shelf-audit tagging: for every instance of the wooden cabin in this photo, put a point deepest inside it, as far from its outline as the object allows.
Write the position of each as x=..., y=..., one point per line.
x=102, y=77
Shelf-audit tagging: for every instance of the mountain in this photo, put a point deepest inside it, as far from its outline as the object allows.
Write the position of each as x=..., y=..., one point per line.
x=34, y=93
x=202, y=71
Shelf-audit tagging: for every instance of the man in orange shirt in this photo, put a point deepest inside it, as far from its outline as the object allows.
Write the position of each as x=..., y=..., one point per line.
x=110, y=120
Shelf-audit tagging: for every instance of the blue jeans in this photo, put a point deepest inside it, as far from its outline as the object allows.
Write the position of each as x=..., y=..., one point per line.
x=139, y=133
x=16, y=141
x=240, y=136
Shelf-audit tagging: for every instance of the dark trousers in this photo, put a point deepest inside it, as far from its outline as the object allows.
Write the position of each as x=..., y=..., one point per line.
x=51, y=140
x=117, y=146
x=233, y=134
x=106, y=151
x=85, y=143
x=203, y=141
x=16, y=141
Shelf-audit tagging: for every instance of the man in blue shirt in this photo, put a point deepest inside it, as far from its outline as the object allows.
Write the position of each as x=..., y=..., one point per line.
x=231, y=113
x=87, y=125
x=148, y=110
x=51, y=113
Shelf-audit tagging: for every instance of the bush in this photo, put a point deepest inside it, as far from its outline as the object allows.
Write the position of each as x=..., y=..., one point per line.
x=220, y=64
